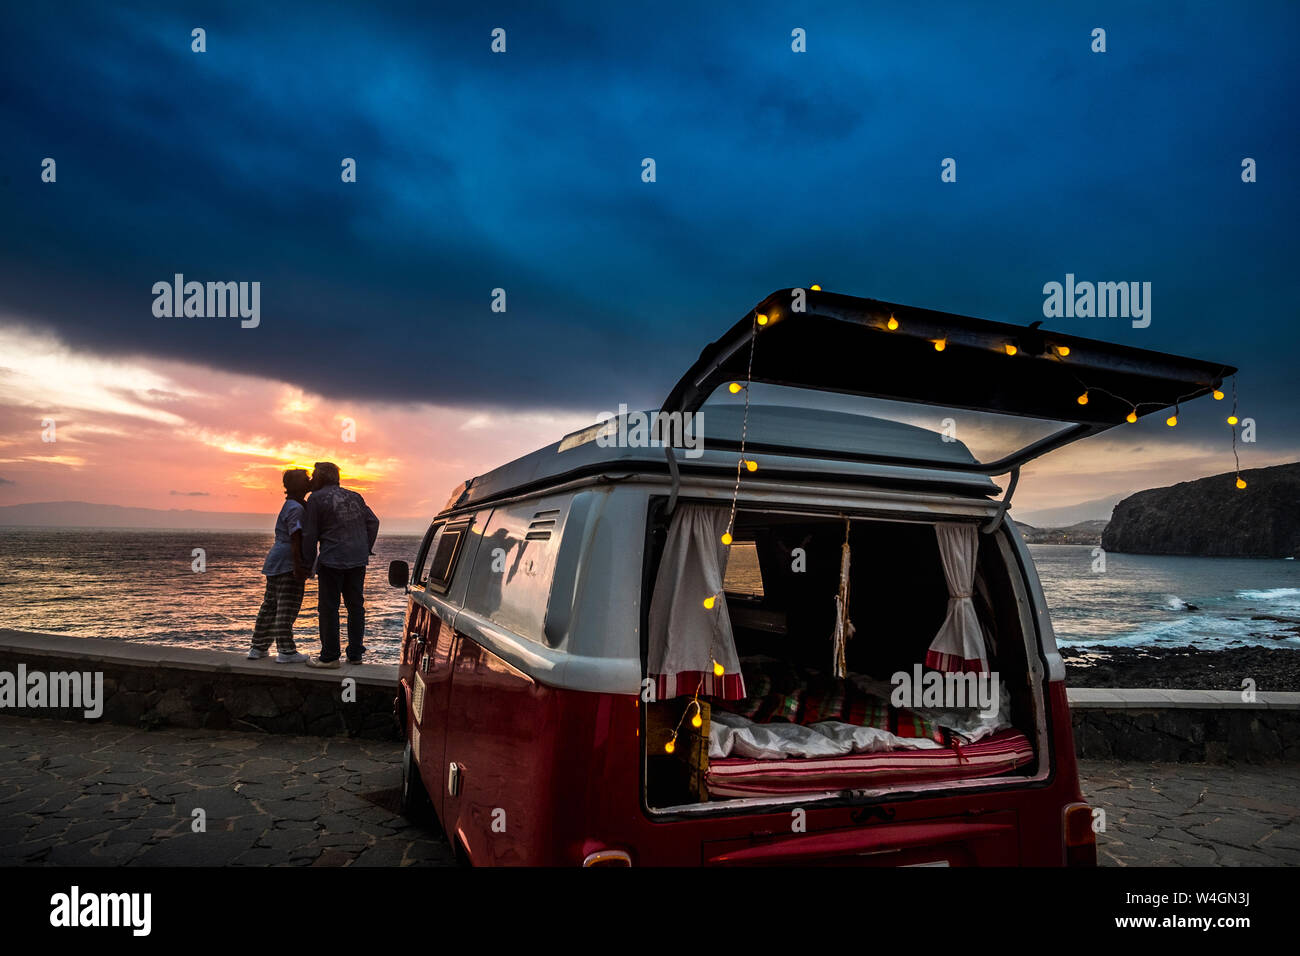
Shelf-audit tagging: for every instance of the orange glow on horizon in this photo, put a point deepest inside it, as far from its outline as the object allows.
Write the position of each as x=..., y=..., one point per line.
x=169, y=435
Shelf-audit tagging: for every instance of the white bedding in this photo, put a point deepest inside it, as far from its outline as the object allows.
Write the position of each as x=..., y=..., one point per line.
x=731, y=735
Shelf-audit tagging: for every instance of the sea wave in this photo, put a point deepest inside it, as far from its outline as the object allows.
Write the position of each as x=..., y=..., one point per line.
x=1199, y=630
x=1270, y=594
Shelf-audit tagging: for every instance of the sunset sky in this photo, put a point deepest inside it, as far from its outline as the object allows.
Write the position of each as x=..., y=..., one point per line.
x=522, y=171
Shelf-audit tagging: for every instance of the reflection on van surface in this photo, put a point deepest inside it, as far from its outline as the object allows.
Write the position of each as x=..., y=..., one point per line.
x=816, y=641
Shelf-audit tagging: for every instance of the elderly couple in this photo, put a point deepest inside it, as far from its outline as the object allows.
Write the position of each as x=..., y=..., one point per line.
x=344, y=528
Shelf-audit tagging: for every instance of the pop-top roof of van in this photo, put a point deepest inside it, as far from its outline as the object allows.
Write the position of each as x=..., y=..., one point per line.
x=882, y=350
x=784, y=433
x=830, y=433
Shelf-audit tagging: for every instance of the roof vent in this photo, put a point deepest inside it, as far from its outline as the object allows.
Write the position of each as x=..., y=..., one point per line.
x=539, y=529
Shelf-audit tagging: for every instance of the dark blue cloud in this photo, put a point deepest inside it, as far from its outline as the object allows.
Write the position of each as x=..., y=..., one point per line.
x=523, y=171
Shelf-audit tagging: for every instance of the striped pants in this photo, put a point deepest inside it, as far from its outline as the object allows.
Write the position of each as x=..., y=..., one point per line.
x=280, y=606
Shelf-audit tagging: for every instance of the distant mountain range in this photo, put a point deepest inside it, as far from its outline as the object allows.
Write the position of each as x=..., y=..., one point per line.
x=1085, y=532
x=84, y=514
x=1098, y=509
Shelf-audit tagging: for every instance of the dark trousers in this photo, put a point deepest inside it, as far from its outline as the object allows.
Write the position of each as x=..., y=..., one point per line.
x=350, y=584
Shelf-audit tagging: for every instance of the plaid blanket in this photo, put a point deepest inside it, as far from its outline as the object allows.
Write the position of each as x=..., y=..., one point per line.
x=780, y=693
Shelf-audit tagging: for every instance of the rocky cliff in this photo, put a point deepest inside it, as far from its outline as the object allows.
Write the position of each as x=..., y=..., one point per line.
x=1213, y=517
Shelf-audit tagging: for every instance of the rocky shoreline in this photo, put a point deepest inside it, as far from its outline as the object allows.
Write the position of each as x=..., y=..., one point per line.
x=1186, y=668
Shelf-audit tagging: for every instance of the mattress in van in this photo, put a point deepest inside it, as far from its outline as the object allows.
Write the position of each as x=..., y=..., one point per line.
x=745, y=777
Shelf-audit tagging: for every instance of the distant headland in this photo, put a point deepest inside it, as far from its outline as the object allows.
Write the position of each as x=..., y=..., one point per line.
x=1212, y=517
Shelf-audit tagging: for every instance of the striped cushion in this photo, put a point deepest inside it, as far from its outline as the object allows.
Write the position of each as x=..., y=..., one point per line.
x=743, y=777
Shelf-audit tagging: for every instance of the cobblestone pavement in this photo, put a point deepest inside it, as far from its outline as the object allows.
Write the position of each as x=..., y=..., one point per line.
x=1195, y=814
x=73, y=793
x=110, y=795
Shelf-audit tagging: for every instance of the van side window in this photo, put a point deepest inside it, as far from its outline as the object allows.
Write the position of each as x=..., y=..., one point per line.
x=421, y=574
x=446, y=549
x=514, y=566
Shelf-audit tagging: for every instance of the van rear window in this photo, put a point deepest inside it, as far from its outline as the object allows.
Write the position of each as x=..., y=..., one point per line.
x=743, y=575
x=828, y=617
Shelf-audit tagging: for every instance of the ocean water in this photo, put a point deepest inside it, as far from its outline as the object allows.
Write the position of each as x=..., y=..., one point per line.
x=1141, y=600
x=140, y=586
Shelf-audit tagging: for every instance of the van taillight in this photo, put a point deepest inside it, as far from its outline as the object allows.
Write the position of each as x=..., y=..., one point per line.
x=607, y=858
x=1080, y=840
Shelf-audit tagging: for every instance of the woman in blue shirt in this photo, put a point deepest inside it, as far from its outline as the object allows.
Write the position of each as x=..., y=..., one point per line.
x=285, y=576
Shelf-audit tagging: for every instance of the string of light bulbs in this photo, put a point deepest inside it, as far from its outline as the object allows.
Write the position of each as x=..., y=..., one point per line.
x=743, y=464
x=1172, y=420
x=1063, y=351
x=1056, y=351
x=1232, y=424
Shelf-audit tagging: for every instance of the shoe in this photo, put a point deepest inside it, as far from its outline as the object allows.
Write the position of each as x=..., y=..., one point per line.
x=317, y=662
x=294, y=658
x=255, y=655
x=356, y=661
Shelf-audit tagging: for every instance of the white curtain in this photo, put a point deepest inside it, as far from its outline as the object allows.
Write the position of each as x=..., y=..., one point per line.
x=959, y=645
x=685, y=637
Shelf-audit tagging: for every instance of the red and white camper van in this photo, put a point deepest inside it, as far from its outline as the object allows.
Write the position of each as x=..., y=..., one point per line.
x=719, y=647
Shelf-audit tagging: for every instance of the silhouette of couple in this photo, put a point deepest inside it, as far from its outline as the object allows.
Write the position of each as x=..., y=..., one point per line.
x=330, y=534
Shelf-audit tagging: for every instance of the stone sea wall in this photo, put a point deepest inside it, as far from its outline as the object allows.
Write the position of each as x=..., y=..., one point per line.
x=151, y=686
x=1187, y=735
x=1185, y=726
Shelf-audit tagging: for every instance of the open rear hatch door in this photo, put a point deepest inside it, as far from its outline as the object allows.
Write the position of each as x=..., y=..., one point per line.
x=849, y=345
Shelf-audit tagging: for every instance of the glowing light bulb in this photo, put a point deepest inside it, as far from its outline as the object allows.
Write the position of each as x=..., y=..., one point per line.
x=726, y=537
x=892, y=324
x=1131, y=416
x=815, y=288
x=697, y=720
x=1011, y=349
x=718, y=669
x=1063, y=350
x=1082, y=399
x=1241, y=482
x=1218, y=395
x=940, y=344
x=1171, y=421
x=708, y=602
x=1232, y=419
x=751, y=466
x=670, y=746
x=762, y=319
x=734, y=387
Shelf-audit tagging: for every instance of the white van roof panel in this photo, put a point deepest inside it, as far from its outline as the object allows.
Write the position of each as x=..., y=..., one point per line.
x=830, y=431
x=819, y=445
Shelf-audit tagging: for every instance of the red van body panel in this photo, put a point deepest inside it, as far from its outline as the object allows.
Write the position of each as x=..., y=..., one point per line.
x=548, y=776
